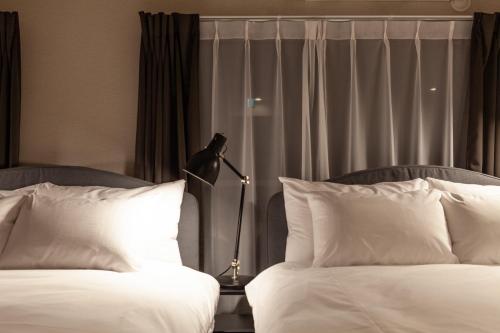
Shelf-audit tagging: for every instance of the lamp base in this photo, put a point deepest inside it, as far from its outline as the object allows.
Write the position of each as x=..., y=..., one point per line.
x=227, y=282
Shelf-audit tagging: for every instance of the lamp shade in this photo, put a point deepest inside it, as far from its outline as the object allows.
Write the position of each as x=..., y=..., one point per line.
x=205, y=164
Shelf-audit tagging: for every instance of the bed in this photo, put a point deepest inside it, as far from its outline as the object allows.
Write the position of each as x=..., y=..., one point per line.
x=293, y=297
x=177, y=298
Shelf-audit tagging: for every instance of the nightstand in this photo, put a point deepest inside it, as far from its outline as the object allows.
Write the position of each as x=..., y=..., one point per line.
x=234, y=323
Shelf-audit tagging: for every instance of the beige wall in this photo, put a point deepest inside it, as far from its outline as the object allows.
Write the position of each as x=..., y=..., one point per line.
x=80, y=68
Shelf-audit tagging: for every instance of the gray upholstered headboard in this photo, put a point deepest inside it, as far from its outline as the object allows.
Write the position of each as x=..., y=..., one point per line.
x=79, y=176
x=276, y=220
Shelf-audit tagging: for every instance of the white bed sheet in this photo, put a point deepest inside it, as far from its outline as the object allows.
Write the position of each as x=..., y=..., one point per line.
x=177, y=299
x=376, y=299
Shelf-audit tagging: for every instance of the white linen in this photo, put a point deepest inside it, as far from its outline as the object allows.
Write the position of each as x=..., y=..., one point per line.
x=288, y=298
x=94, y=192
x=459, y=188
x=20, y=191
x=9, y=211
x=474, y=225
x=10, y=205
x=379, y=229
x=176, y=300
x=299, y=243
x=131, y=233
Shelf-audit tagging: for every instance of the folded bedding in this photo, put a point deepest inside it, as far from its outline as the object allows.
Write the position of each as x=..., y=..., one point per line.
x=292, y=298
x=175, y=299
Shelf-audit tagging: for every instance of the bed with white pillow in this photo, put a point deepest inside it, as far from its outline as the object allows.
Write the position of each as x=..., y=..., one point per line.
x=399, y=249
x=99, y=252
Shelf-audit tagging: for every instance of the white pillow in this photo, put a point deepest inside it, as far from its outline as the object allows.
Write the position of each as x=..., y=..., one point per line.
x=474, y=226
x=90, y=192
x=58, y=193
x=20, y=191
x=459, y=188
x=9, y=210
x=121, y=234
x=10, y=205
x=299, y=243
x=379, y=229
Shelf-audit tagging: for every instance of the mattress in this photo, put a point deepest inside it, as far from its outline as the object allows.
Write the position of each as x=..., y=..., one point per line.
x=177, y=299
x=376, y=299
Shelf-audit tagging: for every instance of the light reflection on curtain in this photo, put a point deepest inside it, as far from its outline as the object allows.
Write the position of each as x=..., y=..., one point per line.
x=335, y=97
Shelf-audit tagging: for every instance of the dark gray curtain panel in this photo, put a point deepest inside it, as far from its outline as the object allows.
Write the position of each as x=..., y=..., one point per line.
x=10, y=89
x=483, y=149
x=168, y=123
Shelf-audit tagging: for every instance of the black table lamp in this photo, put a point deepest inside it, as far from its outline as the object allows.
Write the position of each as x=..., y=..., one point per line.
x=205, y=166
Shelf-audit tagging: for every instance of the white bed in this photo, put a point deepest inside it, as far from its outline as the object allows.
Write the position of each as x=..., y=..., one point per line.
x=62, y=271
x=289, y=298
x=178, y=299
x=351, y=295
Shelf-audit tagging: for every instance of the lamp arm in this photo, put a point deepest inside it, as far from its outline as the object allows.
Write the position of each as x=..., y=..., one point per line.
x=233, y=169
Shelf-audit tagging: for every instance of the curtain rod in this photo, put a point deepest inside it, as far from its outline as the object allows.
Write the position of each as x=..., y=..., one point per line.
x=342, y=18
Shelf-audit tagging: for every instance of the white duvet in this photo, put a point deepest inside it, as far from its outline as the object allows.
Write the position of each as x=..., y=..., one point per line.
x=376, y=299
x=178, y=299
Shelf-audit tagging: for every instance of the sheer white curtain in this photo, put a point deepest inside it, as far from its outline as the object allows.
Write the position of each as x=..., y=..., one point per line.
x=316, y=99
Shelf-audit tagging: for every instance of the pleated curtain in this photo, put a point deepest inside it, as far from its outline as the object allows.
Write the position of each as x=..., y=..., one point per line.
x=315, y=99
x=10, y=89
x=168, y=123
x=483, y=153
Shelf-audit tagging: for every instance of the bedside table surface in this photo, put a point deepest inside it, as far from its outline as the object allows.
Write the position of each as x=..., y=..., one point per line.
x=235, y=292
x=226, y=282
x=234, y=323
